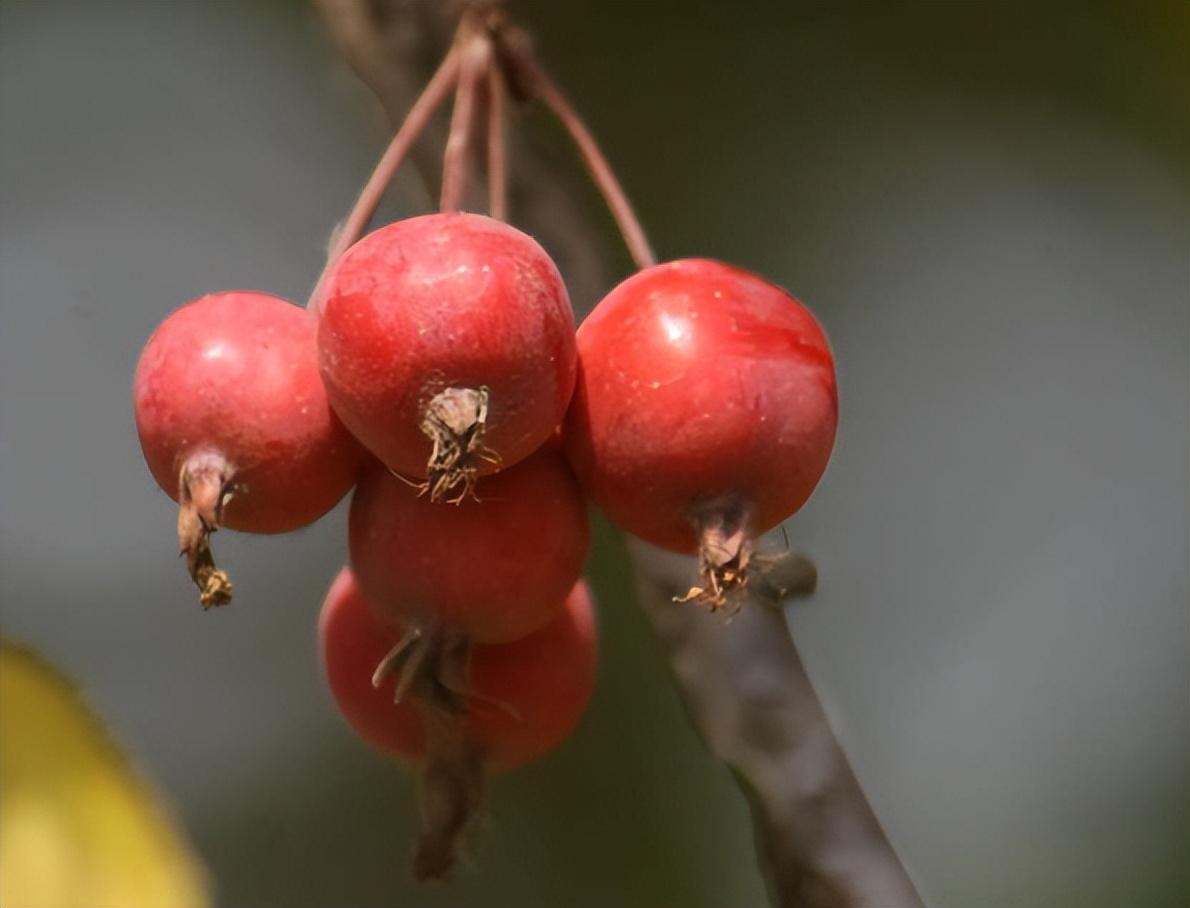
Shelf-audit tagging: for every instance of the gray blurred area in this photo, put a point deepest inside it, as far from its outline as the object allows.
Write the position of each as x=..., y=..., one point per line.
x=987, y=205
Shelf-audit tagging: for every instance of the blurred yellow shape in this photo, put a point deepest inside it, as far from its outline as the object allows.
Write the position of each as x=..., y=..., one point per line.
x=78, y=829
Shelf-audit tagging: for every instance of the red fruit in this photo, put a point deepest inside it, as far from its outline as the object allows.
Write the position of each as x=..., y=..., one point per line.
x=353, y=643
x=447, y=346
x=492, y=570
x=705, y=409
x=235, y=424
x=524, y=698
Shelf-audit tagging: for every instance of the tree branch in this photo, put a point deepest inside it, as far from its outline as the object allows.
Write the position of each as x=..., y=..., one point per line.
x=818, y=842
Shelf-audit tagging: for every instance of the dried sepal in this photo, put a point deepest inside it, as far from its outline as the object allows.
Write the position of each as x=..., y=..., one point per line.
x=204, y=487
x=455, y=420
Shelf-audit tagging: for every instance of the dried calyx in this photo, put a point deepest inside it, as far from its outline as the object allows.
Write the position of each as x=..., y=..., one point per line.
x=455, y=421
x=429, y=665
x=731, y=569
x=724, y=554
x=204, y=487
x=431, y=668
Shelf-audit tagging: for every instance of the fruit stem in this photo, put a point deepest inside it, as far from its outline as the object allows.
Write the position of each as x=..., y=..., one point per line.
x=475, y=58
x=433, y=665
x=532, y=77
x=450, y=791
x=414, y=124
x=497, y=172
x=724, y=553
x=204, y=486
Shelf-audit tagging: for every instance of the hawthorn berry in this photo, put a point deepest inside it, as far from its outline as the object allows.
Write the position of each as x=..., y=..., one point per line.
x=523, y=698
x=235, y=424
x=469, y=711
x=446, y=343
x=704, y=411
x=492, y=569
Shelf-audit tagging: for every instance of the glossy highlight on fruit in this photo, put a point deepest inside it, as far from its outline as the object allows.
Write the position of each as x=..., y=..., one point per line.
x=448, y=302
x=524, y=697
x=703, y=391
x=492, y=569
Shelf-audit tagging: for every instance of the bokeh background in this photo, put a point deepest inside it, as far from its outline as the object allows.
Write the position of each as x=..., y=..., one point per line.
x=987, y=206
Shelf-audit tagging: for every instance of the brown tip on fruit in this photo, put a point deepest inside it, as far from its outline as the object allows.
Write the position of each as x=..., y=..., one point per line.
x=455, y=420
x=724, y=552
x=450, y=786
x=204, y=485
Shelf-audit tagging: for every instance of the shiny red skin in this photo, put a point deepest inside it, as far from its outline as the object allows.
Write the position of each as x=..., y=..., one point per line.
x=528, y=695
x=700, y=385
x=236, y=373
x=447, y=300
x=494, y=569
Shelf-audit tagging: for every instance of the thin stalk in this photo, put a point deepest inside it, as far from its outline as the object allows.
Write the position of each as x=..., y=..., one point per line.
x=497, y=172
x=597, y=165
x=475, y=60
x=431, y=98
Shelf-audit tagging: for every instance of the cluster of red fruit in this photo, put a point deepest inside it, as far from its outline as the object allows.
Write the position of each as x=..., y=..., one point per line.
x=439, y=372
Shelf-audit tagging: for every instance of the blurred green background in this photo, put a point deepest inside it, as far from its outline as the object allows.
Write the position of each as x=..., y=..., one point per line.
x=986, y=204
